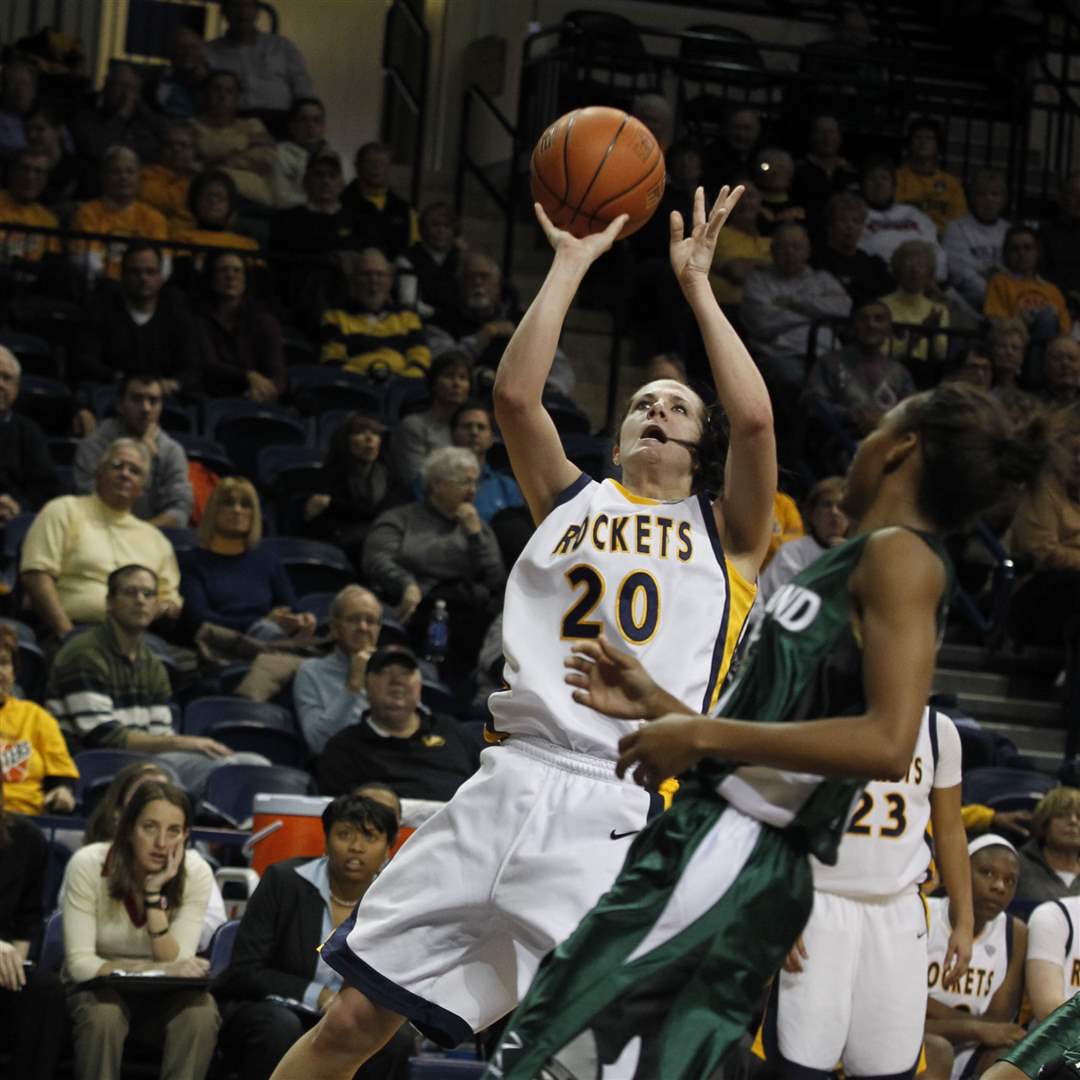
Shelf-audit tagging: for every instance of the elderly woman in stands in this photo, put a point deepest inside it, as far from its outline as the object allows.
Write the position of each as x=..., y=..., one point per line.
x=1050, y=860
x=137, y=905
x=230, y=579
x=298, y=904
x=77, y=541
x=36, y=770
x=33, y=1017
x=243, y=348
x=241, y=146
x=439, y=548
x=355, y=485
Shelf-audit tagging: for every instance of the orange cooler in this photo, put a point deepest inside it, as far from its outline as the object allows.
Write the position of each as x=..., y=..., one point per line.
x=291, y=825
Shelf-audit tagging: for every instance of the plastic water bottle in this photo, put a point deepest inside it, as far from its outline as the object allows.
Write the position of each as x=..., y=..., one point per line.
x=438, y=633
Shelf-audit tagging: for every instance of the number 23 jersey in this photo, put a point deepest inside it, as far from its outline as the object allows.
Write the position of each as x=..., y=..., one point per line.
x=650, y=575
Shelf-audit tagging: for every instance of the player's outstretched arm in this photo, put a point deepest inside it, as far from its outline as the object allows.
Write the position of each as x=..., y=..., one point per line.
x=744, y=513
x=950, y=846
x=897, y=587
x=536, y=454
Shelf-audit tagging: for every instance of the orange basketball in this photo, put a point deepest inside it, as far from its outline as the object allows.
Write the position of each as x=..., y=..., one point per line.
x=592, y=165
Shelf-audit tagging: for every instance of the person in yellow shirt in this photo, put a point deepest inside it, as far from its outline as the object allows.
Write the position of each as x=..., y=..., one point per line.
x=1019, y=292
x=913, y=265
x=740, y=249
x=922, y=182
x=27, y=177
x=787, y=524
x=164, y=185
x=36, y=770
x=117, y=213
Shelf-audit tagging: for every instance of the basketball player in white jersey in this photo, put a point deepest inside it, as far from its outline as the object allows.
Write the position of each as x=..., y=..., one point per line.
x=977, y=1012
x=665, y=563
x=1052, y=972
x=853, y=990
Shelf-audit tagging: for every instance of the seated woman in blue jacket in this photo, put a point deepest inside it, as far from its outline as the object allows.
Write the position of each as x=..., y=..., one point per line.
x=276, y=986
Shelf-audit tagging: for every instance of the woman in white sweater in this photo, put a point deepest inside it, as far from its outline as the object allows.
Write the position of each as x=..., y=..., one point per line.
x=137, y=906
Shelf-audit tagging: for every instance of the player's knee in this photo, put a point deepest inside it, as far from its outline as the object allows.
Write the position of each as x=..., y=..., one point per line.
x=354, y=1022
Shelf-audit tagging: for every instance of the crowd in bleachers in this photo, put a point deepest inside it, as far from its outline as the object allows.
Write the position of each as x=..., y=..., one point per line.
x=249, y=474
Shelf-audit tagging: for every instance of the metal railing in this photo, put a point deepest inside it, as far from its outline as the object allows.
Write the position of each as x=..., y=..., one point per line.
x=405, y=60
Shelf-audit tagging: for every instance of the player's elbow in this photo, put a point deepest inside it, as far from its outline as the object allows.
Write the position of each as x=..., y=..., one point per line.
x=509, y=400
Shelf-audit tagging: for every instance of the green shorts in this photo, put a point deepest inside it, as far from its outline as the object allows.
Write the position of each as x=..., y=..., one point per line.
x=1057, y=1036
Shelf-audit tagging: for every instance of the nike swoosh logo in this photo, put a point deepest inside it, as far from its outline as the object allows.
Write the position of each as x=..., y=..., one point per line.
x=923, y=934
x=619, y=835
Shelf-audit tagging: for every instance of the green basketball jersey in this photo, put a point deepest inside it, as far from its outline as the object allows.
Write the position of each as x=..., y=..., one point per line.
x=803, y=661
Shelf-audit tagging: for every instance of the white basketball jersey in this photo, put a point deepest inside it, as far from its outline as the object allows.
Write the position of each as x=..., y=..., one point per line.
x=651, y=575
x=886, y=849
x=990, y=953
x=1054, y=935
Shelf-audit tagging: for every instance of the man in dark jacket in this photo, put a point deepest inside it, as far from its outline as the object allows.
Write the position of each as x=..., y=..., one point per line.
x=27, y=475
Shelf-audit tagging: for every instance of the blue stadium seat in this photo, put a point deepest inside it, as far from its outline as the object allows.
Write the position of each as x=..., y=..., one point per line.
x=52, y=943
x=439, y=699
x=203, y=715
x=231, y=789
x=207, y=451
x=54, y=872
x=284, y=472
x=14, y=533
x=312, y=566
x=316, y=387
x=221, y=946
x=62, y=449
x=278, y=745
x=318, y=604
x=243, y=427
x=402, y=396
x=48, y=401
x=98, y=767
x=31, y=669
x=1006, y=789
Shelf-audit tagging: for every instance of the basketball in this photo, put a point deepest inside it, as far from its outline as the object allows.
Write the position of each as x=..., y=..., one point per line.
x=594, y=164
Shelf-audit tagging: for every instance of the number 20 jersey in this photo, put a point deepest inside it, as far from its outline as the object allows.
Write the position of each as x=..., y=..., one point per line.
x=650, y=575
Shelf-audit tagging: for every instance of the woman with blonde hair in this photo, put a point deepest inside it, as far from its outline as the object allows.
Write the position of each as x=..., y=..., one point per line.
x=229, y=579
x=1050, y=860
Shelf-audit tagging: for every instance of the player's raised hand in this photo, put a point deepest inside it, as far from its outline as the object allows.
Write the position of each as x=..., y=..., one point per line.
x=609, y=680
x=957, y=957
x=590, y=247
x=692, y=256
x=667, y=747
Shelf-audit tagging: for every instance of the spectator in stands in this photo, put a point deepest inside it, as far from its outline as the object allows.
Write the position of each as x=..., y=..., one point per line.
x=212, y=200
x=231, y=580
x=1008, y=341
x=269, y=67
x=306, y=128
x=922, y=182
x=1060, y=240
x=914, y=304
x=440, y=548
x=323, y=223
x=46, y=135
x=102, y=824
x=355, y=485
x=299, y=902
x=889, y=223
x=241, y=146
x=740, y=249
x=730, y=159
x=787, y=524
x=1062, y=362
x=27, y=475
x=37, y=774
x=384, y=219
x=822, y=173
x=117, y=116
x=20, y=204
x=108, y=690
x=370, y=335
x=973, y=243
x=166, y=499
x=329, y=691
x=848, y=51
x=865, y=277
x=77, y=541
x=397, y=739
x=472, y=427
x=165, y=185
x=431, y=265
x=649, y=245
x=18, y=95
x=176, y=91
x=779, y=304
x=1050, y=860
x=977, y=368
x=138, y=905
x=243, y=351
x=449, y=384
x=33, y=1014
x=654, y=111
x=117, y=213
x=851, y=389
x=774, y=171
x=140, y=328
x=1019, y=291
